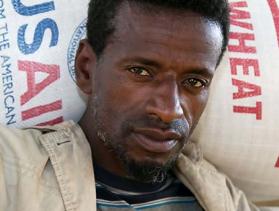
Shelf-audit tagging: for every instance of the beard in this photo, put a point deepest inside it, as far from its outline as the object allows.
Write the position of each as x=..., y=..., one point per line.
x=143, y=171
x=148, y=172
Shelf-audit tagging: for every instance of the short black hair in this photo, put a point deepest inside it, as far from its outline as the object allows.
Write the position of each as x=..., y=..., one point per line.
x=101, y=14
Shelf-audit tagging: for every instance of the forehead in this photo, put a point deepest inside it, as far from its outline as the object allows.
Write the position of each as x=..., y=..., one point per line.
x=156, y=31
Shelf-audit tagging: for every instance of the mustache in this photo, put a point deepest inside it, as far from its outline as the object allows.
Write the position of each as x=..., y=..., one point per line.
x=179, y=126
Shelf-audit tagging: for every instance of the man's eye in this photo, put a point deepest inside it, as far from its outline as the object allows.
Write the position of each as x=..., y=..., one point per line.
x=139, y=71
x=196, y=83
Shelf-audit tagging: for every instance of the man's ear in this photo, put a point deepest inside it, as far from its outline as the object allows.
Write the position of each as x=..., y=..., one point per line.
x=85, y=62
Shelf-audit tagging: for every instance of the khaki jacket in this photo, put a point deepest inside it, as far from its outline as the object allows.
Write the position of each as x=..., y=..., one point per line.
x=51, y=169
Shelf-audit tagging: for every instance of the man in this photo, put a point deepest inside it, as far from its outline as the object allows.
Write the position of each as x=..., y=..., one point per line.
x=146, y=67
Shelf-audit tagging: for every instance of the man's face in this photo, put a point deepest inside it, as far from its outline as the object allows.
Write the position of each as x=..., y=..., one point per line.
x=150, y=87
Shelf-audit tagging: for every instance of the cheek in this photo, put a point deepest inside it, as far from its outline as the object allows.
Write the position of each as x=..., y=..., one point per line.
x=203, y=98
x=118, y=101
x=122, y=96
x=194, y=105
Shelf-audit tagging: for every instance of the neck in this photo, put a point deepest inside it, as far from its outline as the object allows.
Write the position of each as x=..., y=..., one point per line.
x=101, y=154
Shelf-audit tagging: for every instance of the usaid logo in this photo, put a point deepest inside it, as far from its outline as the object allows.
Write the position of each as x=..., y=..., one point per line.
x=79, y=34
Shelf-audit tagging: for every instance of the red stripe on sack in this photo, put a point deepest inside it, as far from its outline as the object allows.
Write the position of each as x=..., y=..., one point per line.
x=52, y=122
x=275, y=13
x=277, y=163
x=42, y=109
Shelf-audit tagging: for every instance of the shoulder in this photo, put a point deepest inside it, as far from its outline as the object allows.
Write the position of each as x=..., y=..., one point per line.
x=25, y=165
x=24, y=145
x=213, y=189
x=18, y=142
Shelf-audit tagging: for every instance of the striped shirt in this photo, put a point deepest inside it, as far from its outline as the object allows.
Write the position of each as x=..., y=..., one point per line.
x=121, y=194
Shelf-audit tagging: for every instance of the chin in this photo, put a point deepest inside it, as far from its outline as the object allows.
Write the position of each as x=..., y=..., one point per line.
x=149, y=170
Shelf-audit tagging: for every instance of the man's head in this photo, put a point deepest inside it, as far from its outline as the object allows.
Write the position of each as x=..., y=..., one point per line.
x=147, y=67
x=101, y=16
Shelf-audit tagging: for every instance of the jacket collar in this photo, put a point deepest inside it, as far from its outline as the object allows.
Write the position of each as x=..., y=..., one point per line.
x=70, y=155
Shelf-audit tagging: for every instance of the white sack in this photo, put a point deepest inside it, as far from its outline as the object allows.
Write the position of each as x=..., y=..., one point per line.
x=239, y=130
x=38, y=40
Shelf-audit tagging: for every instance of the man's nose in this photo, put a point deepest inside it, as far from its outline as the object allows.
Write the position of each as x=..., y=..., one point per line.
x=165, y=102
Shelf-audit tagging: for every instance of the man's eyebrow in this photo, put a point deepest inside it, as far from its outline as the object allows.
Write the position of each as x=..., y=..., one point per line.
x=152, y=63
x=201, y=71
x=144, y=61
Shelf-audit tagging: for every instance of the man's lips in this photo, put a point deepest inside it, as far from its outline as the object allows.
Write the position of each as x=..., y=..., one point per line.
x=156, y=140
x=158, y=134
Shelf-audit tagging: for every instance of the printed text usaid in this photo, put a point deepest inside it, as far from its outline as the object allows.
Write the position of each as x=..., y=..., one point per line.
x=30, y=68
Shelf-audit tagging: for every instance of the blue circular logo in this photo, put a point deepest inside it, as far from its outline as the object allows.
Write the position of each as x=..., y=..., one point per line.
x=79, y=34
